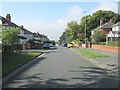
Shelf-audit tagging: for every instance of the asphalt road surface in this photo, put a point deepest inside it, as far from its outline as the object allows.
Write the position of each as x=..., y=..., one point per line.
x=61, y=68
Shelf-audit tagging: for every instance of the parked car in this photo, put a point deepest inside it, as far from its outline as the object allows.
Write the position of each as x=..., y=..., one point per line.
x=70, y=45
x=51, y=45
x=46, y=45
x=64, y=45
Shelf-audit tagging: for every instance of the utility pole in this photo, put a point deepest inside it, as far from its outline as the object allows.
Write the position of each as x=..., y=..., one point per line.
x=85, y=30
x=66, y=37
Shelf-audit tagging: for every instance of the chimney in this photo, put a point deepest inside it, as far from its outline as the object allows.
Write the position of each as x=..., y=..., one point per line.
x=110, y=21
x=101, y=22
x=22, y=27
x=37, y=33
x=8, y=17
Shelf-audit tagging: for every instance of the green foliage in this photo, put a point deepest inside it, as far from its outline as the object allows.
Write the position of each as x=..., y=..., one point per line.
x=113, y=43
x=99, y=36
x=71, y=32
x=8, y=49
x=9, y=35
x=76, y=41
x=76, y=30
x=102, y=43
x=13, y=61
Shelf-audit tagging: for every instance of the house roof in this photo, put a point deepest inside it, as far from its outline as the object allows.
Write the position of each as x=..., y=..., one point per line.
x=107, y=25
x=26, y=31
x=37, y=35
x=117, y=24
x=5, y=21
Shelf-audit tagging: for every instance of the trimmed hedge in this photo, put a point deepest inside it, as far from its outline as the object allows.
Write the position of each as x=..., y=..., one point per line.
x=113, y=43
x=6, y=49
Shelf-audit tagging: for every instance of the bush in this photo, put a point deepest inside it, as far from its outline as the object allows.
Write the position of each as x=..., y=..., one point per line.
x=6, y=49
x=102, y=43
x=113, y=43
x=76, y=41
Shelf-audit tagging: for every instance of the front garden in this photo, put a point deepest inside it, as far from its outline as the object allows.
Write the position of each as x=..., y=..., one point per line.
x=12, y=61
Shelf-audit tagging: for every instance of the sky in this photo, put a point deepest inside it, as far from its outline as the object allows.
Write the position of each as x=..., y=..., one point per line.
x=50, y=18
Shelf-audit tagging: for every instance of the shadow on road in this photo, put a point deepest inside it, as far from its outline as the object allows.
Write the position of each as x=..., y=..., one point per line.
x=96, y=78
x=27, y=67
x=93, y=78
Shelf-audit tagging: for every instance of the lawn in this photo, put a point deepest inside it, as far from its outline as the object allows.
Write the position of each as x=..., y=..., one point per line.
x=11, y=62
x=89, y=53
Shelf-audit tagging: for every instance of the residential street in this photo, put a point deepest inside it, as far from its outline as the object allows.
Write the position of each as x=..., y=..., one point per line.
x=61, y=68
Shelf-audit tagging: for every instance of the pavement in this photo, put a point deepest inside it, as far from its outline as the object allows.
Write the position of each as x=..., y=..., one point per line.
x=60, y=68
x=110, y=63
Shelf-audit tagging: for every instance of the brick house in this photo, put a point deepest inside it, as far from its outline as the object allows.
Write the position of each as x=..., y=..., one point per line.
x=106, y=28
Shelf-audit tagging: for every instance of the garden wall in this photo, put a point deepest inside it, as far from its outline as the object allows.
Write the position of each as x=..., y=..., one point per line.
x=105, y=48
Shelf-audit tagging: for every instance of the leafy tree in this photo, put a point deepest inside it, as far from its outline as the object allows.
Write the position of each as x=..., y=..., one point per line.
x=99, y=36
x=76, y=30
x=9, y=35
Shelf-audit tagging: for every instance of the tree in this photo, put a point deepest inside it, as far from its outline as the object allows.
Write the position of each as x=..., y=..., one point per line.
x=99, y=36
x=9, y=35
x=77, y=30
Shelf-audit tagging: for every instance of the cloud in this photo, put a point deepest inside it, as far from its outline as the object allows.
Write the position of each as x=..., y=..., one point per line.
x=107, y=6
x=55, y=29
x=75, y=12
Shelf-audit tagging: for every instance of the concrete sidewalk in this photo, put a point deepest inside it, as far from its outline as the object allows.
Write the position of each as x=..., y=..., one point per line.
x=110, y=64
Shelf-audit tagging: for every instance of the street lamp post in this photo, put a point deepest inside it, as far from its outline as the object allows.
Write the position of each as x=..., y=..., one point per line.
x=66, y=37
x=85, y=30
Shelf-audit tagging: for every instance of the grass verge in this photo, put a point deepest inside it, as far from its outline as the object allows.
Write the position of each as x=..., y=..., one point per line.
x=89, y=53
x=13, y=61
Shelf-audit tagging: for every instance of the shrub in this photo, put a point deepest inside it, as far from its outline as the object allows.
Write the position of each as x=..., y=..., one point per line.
x=102, y=43
x=113, y=43
x=7, y=49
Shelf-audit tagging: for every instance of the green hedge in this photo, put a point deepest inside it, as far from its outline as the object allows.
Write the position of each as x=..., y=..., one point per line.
x=11, y=48
x=113, y=43
x=76, y=41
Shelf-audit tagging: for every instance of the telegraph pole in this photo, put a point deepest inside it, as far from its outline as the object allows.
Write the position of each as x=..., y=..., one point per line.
x=85, y=30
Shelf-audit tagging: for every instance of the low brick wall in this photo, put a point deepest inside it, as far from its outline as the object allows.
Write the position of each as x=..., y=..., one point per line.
x=76, y=45
x=107, y=48
x=104, y=48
